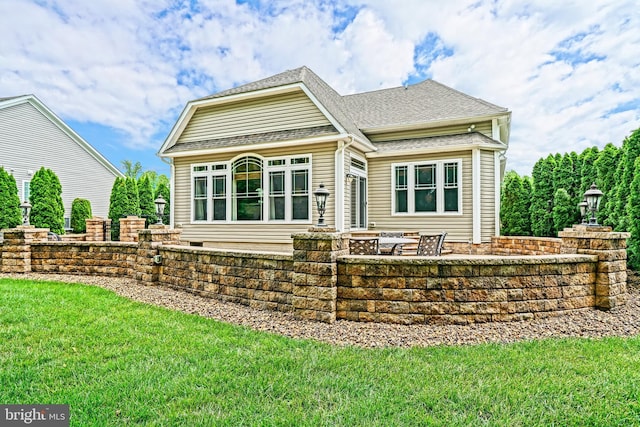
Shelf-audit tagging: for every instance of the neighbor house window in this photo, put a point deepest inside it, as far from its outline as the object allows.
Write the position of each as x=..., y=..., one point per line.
x=426, y=187
x=26, y=190
x=252, y=189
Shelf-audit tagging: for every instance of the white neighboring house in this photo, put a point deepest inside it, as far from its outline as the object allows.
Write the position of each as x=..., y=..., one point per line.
x=32, y=136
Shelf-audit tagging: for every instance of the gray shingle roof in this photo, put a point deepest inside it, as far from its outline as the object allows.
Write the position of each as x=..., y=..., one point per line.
x=466, y=139
x=424, y=102
x=259, y=138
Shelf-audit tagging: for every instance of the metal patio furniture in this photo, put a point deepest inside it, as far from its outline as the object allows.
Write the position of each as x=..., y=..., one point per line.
x=363, y=246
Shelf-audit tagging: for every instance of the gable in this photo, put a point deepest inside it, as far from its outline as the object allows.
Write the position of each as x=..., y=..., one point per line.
x=283, y=112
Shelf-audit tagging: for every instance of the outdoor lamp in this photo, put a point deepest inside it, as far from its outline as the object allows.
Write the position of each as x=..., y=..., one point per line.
x=160, y=204
x=321, y=195
x=583, y=210
x=26, y=210
x=592, y=197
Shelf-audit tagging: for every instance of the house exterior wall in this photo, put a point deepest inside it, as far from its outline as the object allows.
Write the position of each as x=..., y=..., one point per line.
x=239, y=234
x=29, y=140
x=458, y=226
x=274, y=113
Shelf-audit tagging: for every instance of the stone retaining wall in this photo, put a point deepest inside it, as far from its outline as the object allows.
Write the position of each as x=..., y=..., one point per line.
x=463, y=290
x=255, y=279
x=320, y=281
x=525, y=245
x=112, y=259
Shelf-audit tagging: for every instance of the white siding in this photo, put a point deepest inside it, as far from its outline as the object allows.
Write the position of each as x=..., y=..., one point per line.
x=487, y=197
x=282, y=112
x=458, y=227
x=29, y=140
x=238, y=234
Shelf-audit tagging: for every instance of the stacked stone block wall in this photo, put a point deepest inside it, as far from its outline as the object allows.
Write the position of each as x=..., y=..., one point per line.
x=111, y=259
x=16, y=248
x=611, y=250
x=96, y=228
x=524, y=245
x=463, y=290
x=315, y=274
x=259, y=280
x=129, y=228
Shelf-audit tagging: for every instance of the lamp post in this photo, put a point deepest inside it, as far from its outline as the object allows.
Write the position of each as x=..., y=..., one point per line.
x=583, y=210
x=26, y=210
x=592, y=196
x=160, y=204
x=321, y=195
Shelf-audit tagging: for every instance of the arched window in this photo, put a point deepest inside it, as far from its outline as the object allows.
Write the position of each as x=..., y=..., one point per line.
x=247, y=189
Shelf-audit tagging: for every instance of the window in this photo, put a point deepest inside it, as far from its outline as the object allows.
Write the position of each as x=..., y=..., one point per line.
x=252, y=189
x=426, y=187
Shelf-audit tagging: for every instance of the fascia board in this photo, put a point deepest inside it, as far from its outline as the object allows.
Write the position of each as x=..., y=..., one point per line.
x=437, y=150
x=53, y=118
x=435, y=123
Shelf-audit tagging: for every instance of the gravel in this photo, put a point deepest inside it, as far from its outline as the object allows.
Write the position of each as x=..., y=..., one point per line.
x=622, y=321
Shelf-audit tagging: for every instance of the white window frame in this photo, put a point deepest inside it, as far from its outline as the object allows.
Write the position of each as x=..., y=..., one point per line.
x=358, y=173
x=440, y=187
x=26, y=190
x=215, y=169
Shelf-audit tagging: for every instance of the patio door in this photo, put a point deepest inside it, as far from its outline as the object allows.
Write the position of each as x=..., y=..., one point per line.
x=359, y=203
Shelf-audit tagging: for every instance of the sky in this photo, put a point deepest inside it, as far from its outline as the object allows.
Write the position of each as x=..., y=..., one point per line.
x=120, y=72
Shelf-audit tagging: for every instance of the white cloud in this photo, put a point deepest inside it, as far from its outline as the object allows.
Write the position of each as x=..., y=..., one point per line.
x=561, y=67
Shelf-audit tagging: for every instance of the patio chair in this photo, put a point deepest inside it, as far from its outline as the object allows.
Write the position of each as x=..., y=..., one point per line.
x=388, y=248
x=431, y=244
x=363, y=246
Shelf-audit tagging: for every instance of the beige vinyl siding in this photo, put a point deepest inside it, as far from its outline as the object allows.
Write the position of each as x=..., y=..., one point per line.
x=238, y=234
x=482, y=127
x=458, y=227
x=29, y=140
x=487, y=197
x=282, y=112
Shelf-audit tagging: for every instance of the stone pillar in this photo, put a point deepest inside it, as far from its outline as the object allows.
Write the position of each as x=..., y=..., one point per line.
x=129, y=228
x=315, y=273
x=611, y=249
x=96, y=228
x=148, y=258
x=16, y=248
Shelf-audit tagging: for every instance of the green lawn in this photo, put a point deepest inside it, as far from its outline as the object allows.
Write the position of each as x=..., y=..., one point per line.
x=118, y=362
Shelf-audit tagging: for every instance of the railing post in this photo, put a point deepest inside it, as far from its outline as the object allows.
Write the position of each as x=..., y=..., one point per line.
x=315, y=273
x=148, y=258
x=16, y=248
x=611, y=249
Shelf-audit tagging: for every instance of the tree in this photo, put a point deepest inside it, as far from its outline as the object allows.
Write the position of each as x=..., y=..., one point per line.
x=633, y=214
x=133, y=197
x=626, y=171
x=605, y=165
x=10, y=212
x=47, y=208
x=514, y=207
x=80, y=212
x=542, y=198
x=166, y=195
x=130, y=169
x=118, y=205
x=589, y=171
x=563, y=210
x=147, y=206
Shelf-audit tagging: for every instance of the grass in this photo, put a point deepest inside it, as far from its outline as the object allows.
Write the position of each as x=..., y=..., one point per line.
x=119, y=362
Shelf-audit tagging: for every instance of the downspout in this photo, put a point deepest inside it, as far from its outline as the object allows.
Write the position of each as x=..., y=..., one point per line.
x=339, y=182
